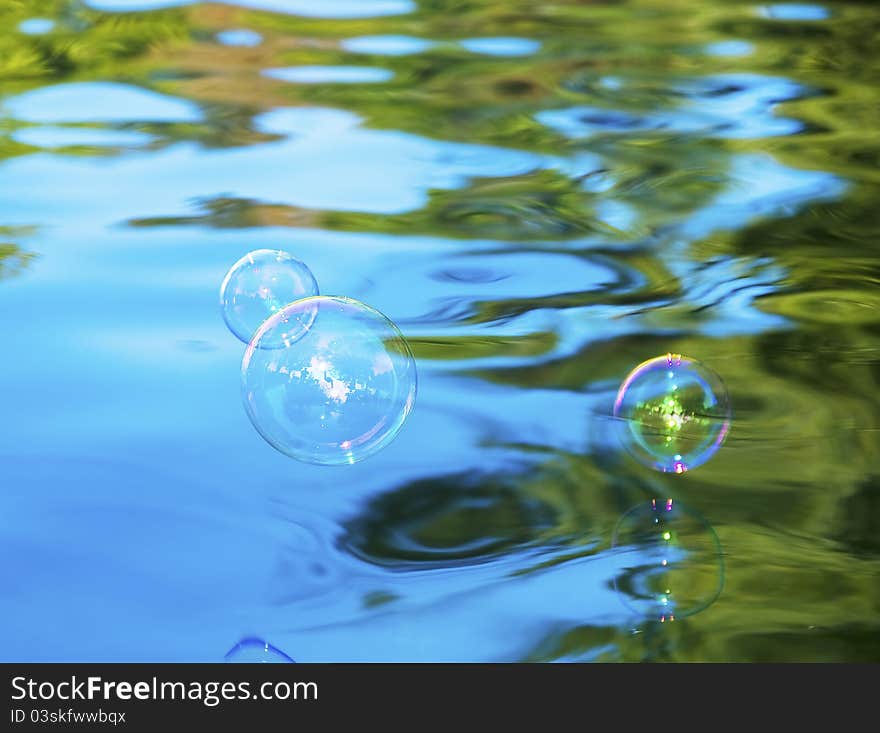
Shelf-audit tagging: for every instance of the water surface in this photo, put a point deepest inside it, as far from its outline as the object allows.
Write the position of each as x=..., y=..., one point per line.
x=542, y=196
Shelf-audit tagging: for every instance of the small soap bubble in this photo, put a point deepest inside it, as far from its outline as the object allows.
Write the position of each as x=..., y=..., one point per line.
x=673, y=413
x=337, y=393
x=260, y=284
x=252, y=650
x=668, y=560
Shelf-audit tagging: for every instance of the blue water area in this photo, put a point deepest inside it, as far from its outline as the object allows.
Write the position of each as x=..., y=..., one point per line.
x=99, y=102
x=50, y=136
x=501, y=46
x=794, y=11
x=36, y=26
x=330, y=74
x=730, y=48
x=240, y=37
x=728, y=106
x=541, y=199
x=386, y=45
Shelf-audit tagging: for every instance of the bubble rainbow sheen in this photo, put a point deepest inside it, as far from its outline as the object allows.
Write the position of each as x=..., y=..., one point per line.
x=338, y=392
x=672, y=413
x=668, y=561
x=259, y=285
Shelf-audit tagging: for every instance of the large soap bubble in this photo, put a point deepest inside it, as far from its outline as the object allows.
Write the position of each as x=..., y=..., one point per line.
x=673, y=413
x=669, y=561
x=260, y=284
x=338, y=392
x=252, y=650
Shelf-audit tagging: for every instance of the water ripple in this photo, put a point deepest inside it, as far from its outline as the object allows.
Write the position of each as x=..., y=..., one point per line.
x=542, y=199
x=724, y=106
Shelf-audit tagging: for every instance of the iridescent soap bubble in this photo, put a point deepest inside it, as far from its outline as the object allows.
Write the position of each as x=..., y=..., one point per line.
x=668, y=559
x=672, y=412
x=336, y=394
x=260, y=284
x=252, y=650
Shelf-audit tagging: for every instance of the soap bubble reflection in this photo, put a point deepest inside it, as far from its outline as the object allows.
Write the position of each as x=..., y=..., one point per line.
x=669, y=561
